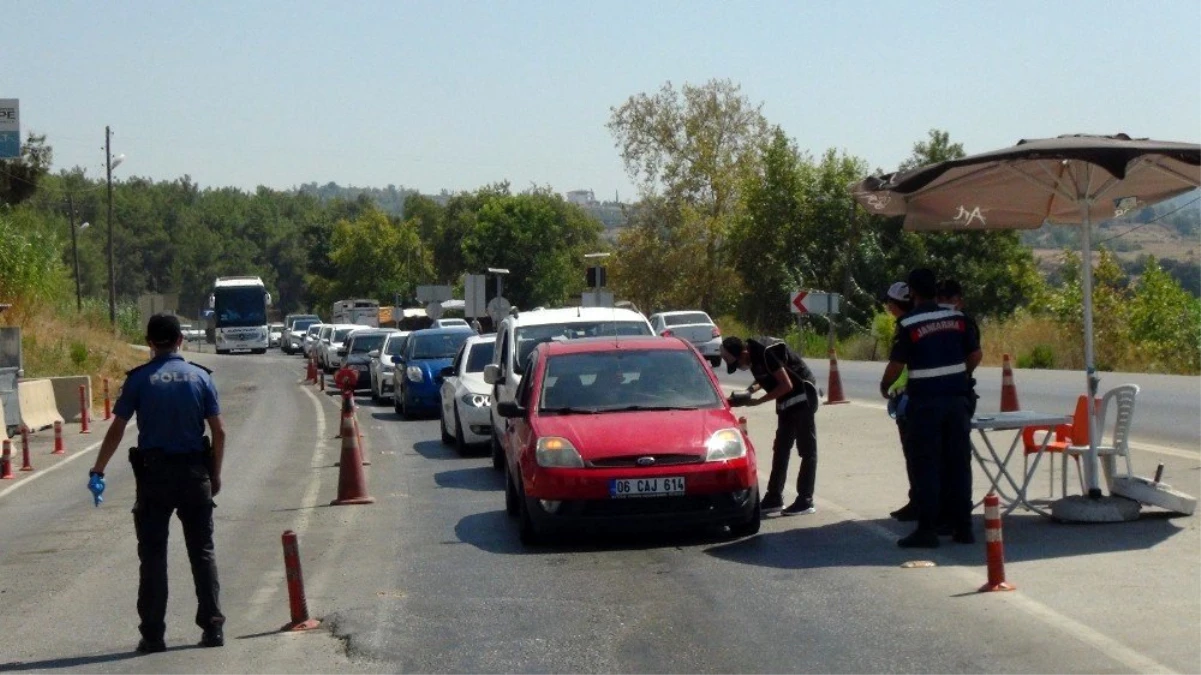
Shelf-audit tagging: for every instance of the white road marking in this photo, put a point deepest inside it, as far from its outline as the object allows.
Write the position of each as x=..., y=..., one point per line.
x=67, y=460
x=1131, y=658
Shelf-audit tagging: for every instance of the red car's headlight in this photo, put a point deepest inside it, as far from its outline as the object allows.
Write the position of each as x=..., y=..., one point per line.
x=554, y=452
x=725, y=444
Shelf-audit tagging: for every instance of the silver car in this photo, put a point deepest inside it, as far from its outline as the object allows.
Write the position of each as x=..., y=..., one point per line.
x=693, y=326
x=382, y=368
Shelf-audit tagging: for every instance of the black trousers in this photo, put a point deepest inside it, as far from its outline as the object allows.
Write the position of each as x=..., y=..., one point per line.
x=182, y=488
x=794, y=425
x=909, y=466
x=938, y=441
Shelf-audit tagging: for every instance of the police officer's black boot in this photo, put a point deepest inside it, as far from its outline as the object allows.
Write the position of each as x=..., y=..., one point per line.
x=151, y=646
x=213, y=637
x=920, y=538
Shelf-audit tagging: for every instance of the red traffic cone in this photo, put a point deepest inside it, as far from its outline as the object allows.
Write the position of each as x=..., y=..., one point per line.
x=995, y=545
x=297, y=602
x=58, y=439
x=25, y=463
x=834, y=391
x=311, y=376
x=6, y=461
x=84, y=412
x=1009, y=391
x=352, y=484
x=108, y=404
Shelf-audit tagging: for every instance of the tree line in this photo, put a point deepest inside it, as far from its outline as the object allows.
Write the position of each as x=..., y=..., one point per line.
x=732, y=215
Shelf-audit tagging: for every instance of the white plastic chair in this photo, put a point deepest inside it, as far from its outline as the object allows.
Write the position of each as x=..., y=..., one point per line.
x=1123, y=398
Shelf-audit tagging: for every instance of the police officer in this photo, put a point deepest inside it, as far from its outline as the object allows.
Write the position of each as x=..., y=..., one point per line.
x=940, y=352
x=176, y=470
x=781, y=373
x=897, y=302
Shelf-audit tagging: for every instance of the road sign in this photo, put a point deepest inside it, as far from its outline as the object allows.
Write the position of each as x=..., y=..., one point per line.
x=474, y=300
x=591, y=299
x=814, y=302
x=498, y=308
x=596, y=277
x=433, y=293
x=10, y=128
x=434, y=310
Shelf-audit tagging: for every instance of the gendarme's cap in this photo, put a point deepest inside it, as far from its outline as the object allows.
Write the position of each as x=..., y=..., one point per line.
x=163, y=330
x=734, y=346
x=899, y=292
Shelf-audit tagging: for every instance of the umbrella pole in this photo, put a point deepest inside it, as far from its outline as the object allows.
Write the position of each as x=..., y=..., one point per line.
x=1090, y=462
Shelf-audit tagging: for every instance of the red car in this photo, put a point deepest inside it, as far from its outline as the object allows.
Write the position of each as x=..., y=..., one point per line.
x=627, y=432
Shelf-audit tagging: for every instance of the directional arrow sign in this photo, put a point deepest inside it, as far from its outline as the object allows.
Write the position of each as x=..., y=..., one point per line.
x=814, y=302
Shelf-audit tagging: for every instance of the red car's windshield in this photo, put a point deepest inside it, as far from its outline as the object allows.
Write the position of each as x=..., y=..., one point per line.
x=652, y=379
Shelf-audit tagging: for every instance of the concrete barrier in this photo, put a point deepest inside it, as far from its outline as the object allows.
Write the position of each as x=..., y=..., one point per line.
x=66, y=396
x=38, y=410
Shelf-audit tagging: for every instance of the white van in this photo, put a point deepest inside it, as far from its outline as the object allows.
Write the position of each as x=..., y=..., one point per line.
x=520, y=332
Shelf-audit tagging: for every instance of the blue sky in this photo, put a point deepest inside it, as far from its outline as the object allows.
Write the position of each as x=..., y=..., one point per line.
x=454, y=95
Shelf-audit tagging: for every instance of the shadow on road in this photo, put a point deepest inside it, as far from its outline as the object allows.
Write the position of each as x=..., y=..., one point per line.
x=78, y=662
x=495, y=532
x=481, y=478
x=435, y=450
x=852, y=543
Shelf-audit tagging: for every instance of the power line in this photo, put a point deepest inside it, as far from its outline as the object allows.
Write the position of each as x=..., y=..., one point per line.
x=1156, y=218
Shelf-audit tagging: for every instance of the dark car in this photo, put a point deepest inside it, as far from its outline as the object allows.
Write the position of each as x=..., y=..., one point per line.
x=356, y=353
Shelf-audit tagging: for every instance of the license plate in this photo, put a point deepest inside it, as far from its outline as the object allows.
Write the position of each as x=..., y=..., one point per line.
x=661, y=486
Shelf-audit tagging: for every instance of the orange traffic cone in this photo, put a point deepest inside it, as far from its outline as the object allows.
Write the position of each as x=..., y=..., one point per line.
x=58, y=439
x=834, y=391
x=1009, y=391
x=26, y=464
x=352, y=484
x=311, y=376
x=6, y=461
x=994, y=545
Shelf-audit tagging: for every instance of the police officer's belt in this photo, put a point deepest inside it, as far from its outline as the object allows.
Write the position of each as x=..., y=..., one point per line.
x=159, y=456
x=786, y=403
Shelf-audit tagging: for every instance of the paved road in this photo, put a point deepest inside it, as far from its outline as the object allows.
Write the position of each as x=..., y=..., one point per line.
x=1168, y=411
x=432, y=578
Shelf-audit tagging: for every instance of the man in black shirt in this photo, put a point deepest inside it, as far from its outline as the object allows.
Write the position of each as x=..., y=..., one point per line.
x=781, y=373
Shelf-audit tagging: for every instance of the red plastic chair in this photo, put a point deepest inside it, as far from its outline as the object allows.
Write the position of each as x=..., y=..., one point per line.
x=1066, y=436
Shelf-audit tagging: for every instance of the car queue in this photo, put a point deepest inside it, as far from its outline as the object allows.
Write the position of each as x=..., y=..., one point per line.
x=596, y=417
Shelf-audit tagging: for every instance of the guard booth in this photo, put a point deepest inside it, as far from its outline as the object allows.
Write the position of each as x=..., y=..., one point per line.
x=11, y=368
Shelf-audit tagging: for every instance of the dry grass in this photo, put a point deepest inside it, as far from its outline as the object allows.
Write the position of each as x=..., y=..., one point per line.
x=1019, y=335
x=59, y=343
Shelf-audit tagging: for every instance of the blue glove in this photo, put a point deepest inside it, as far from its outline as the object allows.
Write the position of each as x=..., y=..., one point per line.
x=96, y=485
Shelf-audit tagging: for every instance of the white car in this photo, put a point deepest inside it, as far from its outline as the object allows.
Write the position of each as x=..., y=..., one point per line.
x=312, y=337
x=695, y=327
x=520, y=332
x=335, y=340
x=275, y=334
x=466, y=417
x=451, y=323
x=382, y=368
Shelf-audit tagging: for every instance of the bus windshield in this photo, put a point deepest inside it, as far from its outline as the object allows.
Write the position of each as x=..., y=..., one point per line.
x=244, y=306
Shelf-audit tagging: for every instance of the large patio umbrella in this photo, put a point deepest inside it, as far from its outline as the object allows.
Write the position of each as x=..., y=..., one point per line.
x=1070, y=180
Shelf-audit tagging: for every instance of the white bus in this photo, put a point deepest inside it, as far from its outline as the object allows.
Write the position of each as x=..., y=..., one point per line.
x=359, y=311
x=239, y=315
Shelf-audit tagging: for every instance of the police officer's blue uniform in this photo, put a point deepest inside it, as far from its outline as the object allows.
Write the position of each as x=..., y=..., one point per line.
x=935, y=343
x=172, y=399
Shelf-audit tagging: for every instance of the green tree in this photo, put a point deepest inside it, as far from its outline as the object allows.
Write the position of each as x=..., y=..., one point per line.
x=20, y=176
x=1165, y=321
x=375, y=256
x=539, y=238
x=691, y=147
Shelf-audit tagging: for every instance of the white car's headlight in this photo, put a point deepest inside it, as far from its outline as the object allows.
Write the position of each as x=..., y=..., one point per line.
x=554, y=452
x=476, y=400
x=725, y=444
x=414, y=374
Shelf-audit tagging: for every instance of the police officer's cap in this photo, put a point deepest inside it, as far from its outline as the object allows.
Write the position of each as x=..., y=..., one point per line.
x=734, y=346
x=163, y=330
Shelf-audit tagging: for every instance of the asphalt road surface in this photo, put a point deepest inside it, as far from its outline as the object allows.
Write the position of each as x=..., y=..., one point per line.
x=431, y=578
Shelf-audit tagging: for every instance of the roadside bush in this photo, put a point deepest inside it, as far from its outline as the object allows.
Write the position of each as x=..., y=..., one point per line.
x=31, y=270
x=79, y=353
x=884, y=329
x=1042, y=356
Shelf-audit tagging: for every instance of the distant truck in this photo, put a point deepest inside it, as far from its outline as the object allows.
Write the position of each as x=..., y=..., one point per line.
x=239, y=315
x=359, y=311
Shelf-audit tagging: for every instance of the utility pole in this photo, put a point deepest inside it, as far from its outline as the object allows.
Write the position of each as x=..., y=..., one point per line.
x=74, y=252
x=112, y=276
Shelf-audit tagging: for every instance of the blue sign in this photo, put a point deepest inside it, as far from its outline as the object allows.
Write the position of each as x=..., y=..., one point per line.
x=10, y=144
x=10, y=128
